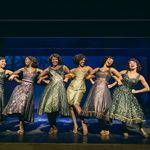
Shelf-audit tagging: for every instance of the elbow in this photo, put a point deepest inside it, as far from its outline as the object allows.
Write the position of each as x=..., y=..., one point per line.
x=147, y=89
x=121, y=78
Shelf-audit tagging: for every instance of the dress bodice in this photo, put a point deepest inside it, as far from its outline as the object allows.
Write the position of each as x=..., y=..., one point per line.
x=29, y=76
x=103, y=75
x=130, y=82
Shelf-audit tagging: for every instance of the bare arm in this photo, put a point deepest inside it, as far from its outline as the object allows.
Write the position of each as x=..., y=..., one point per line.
x=145, y=85
x=66, y=69
x=15, y=74
x=8, y=72
x=43, y=75
x=91, y=74
x=69, y=75
x=118, y=81
x=18, y=71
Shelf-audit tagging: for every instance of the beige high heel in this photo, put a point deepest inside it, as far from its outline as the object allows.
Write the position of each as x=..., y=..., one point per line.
x=51, y=131
x=107, y=133
x=75, y=129
x=126, y=135
x=55, y=130
x=102, y=133
x=20, y=132
x=144, y=133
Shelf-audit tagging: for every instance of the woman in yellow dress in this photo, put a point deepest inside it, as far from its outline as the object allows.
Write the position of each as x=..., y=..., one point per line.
x=77, y=88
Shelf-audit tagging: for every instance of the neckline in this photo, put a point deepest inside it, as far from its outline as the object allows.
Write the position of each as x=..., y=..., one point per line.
x=55, y=69
x=30, y=71
x=134, y=77
x=104, y=71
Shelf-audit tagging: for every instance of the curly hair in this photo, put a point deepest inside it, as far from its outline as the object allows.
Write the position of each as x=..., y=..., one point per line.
x=105, y=59
x=57, y=56
x=77, y=58
x=137, y=63
x=34, y=61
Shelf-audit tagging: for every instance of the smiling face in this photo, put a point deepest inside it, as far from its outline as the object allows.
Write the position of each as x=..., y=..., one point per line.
x=132, y=65
x=109, y=62
x=2, y=63
x=82, y=62
x=55, y=61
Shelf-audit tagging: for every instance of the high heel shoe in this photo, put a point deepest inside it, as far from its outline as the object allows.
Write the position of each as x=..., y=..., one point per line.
x=126, y=135
x=55, y=130
x=107, y=133
x=51, y=131
x=144, y=133
x=20, y=132
x=75, y=130
x=102, y=133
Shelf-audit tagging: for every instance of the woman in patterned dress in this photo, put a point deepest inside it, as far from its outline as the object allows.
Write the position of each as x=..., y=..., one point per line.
x=98, y=102
x=3, y=74
x=125, y=106
x=21, y=100
x=77, y=88
x=54, y=98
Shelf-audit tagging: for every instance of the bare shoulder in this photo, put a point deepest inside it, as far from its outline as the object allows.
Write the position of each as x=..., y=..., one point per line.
x=123, y=72
x=65, y=67
x=39, y=70
x=141, y=77
x=72, y=70
x=21, y=69
x=8, y=72
x=89, y=68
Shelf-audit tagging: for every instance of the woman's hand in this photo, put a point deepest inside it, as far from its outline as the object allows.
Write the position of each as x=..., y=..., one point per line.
x=12, y=77
x=39, y=80
x=134, y=91
x=66, y=80
x=119, y=82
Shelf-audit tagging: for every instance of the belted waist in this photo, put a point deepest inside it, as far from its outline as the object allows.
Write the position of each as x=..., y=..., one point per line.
x=27, y=81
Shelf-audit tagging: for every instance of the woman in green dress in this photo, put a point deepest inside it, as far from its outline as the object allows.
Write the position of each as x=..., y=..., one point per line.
x=125, y=106
x=77, y=88
x=54, y=98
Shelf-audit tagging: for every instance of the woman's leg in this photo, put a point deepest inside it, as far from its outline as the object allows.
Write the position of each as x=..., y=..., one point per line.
x=84, y=125
x=78, y=109
x=54, y=124
x=50, y=120
x=144, y=133
x=21, y=124
x=75, y=128
x=103, y=126
x=125, y=130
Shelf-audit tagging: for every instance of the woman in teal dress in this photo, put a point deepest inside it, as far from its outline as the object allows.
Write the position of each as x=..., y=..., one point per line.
x=3, y=74
x=54, y=98
x=125, y=106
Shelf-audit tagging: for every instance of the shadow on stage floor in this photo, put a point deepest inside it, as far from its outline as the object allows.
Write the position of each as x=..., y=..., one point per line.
x=38, y=133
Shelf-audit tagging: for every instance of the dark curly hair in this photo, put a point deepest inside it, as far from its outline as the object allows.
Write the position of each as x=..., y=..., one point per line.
x=105, y=59
x=77, y=58
x=34, y=61
x=57, y=56
x=1, y=58
x=137, y=63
